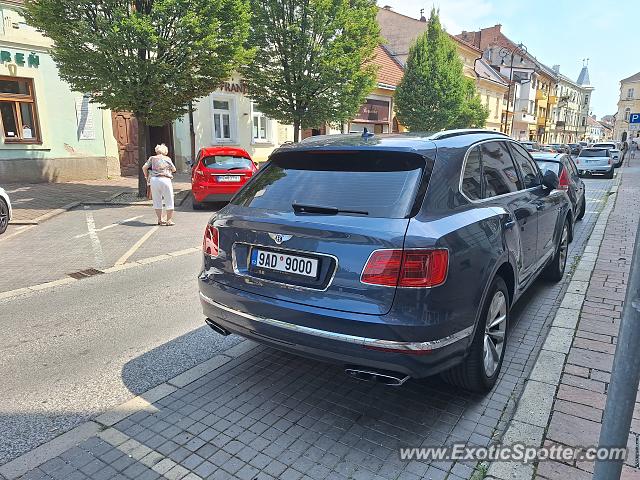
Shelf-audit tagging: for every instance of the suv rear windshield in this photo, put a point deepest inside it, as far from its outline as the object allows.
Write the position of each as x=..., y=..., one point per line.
x=382, y=184
x=604, y=145
x=226, y=162
x=593, y=152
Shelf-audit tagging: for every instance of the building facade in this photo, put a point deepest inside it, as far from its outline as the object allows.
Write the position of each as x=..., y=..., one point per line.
x=48, y=133
x=227, y=117
x=595, y=131
x=628, y=104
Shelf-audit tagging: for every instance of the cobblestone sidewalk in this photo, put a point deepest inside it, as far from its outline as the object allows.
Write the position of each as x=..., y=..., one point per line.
x=38, y=201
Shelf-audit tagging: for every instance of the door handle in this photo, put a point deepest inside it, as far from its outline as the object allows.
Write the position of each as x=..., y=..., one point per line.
x=509, y=224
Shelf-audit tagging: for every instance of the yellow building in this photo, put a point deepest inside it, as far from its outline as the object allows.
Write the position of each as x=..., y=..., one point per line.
x=401, y=31
x=628, y=104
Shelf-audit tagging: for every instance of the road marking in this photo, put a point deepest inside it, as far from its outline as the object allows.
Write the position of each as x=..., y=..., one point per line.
x=123, y=259
x=122, y=222
x=95, y=241
x=18, y=231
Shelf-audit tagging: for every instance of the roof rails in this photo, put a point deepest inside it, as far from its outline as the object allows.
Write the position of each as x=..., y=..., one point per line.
x=463, y=131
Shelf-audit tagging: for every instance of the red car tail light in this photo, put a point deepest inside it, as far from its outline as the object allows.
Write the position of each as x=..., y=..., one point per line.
x=563, y=181
x=210, y=242
x=407, y=268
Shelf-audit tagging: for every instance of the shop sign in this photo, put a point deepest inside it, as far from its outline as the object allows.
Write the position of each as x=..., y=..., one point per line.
x=374, y=111
x=19, y=58
x=234, y=87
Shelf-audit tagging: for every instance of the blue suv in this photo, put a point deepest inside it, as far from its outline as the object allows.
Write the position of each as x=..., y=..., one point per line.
x=396, y=256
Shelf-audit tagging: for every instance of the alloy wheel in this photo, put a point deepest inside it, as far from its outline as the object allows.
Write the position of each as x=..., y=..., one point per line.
x=495, y=333
x=562, y=248
x=4, y=216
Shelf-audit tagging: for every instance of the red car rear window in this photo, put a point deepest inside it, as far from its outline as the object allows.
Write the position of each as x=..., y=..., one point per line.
x=226, y=162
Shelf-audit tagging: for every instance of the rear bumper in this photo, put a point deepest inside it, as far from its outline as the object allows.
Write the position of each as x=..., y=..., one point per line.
x=213, y=197
x=414, y=358
x=583, y=169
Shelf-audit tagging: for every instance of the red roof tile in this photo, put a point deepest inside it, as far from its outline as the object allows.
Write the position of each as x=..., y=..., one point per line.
x=389, y=71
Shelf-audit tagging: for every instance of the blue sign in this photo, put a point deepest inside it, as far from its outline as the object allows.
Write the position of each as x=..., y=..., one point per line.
x=634, y=118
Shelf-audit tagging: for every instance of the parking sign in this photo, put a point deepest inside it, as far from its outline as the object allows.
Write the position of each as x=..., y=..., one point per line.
x=634, y=118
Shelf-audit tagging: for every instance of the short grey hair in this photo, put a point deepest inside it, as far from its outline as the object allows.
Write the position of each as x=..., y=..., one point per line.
x=162, y=149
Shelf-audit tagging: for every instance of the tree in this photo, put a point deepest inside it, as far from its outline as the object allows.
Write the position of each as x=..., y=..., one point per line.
x=150, y=57
x=434, y=94
x=314, y=61
x=473, y=113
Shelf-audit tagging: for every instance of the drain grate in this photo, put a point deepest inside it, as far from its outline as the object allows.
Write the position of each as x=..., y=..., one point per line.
x=89, y=272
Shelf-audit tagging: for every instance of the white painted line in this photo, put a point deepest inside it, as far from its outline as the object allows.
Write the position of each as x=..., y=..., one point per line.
x=122, y=222
x=18, y=231
x=95, y=241
x=123, y=259
x=49, y=450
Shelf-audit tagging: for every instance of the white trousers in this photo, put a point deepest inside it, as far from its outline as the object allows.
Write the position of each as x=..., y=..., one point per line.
x=161, y=188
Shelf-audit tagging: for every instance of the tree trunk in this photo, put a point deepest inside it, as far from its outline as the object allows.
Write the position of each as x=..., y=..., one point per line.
x=296, y=130
x=143, y=140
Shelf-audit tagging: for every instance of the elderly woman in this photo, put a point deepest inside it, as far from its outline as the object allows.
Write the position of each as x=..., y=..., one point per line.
x=158, y=171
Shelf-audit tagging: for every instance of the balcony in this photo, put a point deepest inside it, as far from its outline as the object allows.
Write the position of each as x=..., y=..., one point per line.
x=553, y=99
x=541, y=95
x=542, y=120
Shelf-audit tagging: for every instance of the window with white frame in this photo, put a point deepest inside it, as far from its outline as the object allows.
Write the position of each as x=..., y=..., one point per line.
x=222, y=119
x=259, y=125
x=627, y=113
x=630, y=93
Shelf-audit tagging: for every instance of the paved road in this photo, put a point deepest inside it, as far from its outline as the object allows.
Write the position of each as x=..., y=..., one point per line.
x=73, y=351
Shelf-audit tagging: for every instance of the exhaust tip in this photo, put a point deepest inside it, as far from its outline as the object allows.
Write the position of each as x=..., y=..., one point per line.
x=217, y=328
x=383, y=377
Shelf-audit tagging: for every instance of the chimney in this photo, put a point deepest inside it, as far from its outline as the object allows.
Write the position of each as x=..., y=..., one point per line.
x=556, y=68
x=498, y=26
x=387, y=7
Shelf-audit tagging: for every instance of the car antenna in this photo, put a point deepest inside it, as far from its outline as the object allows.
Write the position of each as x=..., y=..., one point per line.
x=366, y=134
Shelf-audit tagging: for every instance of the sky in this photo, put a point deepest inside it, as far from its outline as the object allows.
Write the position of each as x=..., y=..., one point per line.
x=557, y=32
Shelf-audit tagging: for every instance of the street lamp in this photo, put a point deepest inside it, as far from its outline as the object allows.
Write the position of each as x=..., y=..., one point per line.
x=505, y=52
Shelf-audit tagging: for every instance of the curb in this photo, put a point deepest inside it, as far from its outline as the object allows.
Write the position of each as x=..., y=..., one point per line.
x=533, y=408
x=115, y=268
x=101, y=424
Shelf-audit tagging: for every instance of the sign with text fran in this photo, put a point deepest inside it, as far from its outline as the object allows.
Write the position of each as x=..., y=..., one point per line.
x=634, y=118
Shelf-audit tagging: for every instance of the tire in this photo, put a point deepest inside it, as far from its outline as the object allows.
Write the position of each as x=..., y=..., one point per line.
x=583, y=208
x=474, y=373
x=609, y=174
x=4, y=216
x=555, y=270
x=196, y=205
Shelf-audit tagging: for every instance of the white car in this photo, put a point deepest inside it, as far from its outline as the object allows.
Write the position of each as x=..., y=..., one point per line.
x=5, y=210
x=613, y=150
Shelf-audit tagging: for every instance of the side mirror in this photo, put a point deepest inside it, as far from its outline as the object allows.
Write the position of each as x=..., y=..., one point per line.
x=550, y=180
x=256, y=164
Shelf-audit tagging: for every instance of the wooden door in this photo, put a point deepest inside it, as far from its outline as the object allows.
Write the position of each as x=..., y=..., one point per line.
x=125, y=130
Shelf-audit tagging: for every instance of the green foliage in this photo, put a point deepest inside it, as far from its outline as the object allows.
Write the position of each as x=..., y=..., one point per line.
x=151, y=57
x=434, y=94
x=313, y=65
x=473, y=113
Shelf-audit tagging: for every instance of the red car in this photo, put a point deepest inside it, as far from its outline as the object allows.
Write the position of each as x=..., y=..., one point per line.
x=218, y=173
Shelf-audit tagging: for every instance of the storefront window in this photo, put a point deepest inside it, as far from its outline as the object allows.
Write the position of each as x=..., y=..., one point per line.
x=18, y=111
x=222, y=120
x=259, y=126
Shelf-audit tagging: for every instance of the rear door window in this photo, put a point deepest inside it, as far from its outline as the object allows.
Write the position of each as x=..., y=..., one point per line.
x=226, y=162
x=374, y=183
x=498, y=170
x=472, y=176
x=529, y=171
x=551, y=166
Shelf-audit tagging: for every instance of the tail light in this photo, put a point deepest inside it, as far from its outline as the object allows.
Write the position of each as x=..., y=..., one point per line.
x=563, y=181
x=610, y=161
x=577, y=161
x=198, y=170
x=407, y=268
x=210, y=242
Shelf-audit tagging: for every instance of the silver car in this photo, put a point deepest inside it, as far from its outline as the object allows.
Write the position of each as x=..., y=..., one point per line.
x=595, y=160
x=5, y=211
x=616, y=154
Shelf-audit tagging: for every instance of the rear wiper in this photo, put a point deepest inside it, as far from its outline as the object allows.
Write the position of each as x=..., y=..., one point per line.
x=235, y=168
x=301, y=208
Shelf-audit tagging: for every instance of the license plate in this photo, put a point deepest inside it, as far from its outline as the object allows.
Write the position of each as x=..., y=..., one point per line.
x=594, y=161
x=229, y=178
x=282, y=262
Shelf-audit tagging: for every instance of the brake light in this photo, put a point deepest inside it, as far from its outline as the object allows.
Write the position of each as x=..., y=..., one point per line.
x=563, y=181
x=407, y=268
x=210, y=242
x=610, y=161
